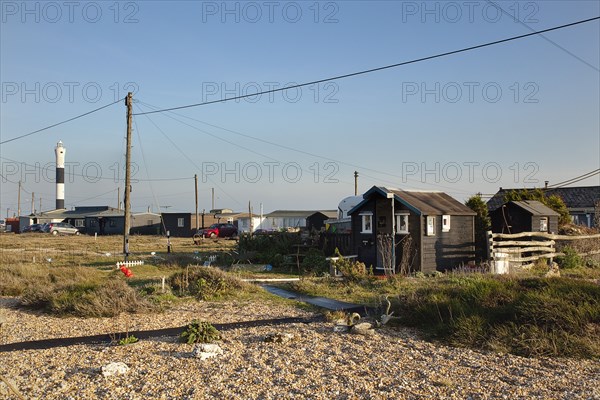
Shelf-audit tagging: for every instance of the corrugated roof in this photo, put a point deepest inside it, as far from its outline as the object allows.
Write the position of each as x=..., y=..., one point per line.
x=421, y=202
x=434, y=203
x=534, y=207
x=574, y=197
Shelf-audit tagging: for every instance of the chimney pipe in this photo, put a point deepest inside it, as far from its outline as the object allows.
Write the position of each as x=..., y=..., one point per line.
x=356, y=183
x=546, y=184
x=60, y=175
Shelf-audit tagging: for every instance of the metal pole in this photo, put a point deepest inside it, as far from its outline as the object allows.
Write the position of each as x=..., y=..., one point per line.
x=356, y=183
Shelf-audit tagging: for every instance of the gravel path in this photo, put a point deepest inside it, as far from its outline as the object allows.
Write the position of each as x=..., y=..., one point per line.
x=318, y=364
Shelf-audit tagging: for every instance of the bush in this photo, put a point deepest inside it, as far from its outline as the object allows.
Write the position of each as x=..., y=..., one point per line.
x=87, y=299
x=570, y=260
x=200, y=332
x=269, y=249
x=351, y=270
x=314, y=262
x=207, y=283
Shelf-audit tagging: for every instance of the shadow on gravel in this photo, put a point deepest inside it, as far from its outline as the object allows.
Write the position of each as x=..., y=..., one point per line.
x=148, y=334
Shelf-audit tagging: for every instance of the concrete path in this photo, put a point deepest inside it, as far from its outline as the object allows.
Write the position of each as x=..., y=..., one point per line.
x=323, y=302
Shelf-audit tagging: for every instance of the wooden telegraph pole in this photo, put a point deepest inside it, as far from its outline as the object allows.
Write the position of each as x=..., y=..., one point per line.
x=127, y=192
x=196, y=185
x=19, y=201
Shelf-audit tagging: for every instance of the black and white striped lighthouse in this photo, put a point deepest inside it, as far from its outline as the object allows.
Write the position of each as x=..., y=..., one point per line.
x=60, y=175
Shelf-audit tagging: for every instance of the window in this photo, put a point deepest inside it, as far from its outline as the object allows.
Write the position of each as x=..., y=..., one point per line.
x=401, y=223
x=180, y=222
x=445, y=223
x=79, y=223
x=431, y=225
x=112, y=223
x=544, y=224
x=93, y=222
x=367, y=223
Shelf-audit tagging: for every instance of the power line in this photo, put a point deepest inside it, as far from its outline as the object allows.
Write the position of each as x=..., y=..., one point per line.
x=544, y=37
x=186, y=156
x=69, y=173
x=479, y=46
x=361, y=168
x=218, y=137
x=93, y=197
x=575, y=180
x=60, y=123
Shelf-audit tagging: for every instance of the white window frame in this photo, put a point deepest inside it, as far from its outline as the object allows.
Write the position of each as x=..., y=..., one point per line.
x=367, y=216
x=399, y=217
x=543, y=224
x=79, y=223
x=445, y=223
x=430, y=225
x=180, y=222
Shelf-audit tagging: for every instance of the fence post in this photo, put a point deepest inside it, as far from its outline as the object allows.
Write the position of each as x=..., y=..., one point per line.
x=490, y=245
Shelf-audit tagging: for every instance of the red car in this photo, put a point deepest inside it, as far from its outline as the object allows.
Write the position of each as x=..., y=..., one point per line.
x=219, y=230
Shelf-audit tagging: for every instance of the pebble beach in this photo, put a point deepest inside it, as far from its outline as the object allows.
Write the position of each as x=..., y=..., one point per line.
x=317, y=363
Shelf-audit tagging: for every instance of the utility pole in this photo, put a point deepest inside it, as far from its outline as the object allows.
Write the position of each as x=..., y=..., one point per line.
x=19, y=201
x=250, y=223
x=196, y=186
x=127, y=193
x=32, y=202
x=356, y=183
x=119, y=198
x=40, y=204
x=213, y=198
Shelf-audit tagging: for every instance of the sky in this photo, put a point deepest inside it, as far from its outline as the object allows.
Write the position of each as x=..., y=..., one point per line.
x=515, y=114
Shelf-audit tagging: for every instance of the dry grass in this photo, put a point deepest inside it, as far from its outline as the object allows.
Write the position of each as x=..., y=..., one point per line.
x=46, y=269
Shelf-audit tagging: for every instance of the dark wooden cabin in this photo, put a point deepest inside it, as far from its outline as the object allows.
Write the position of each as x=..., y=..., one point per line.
x=524, y=216
x=441, y=228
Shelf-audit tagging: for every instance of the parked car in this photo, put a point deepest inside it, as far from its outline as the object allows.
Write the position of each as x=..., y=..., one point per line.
x=62, y=228
x=219, y=230
x=33, y=228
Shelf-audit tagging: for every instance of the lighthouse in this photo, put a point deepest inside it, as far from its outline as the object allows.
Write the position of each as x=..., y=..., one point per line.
x=60, y=175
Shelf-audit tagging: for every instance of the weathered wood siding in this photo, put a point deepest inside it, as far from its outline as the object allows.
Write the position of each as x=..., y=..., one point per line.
x=365, y=244
x=447, y=250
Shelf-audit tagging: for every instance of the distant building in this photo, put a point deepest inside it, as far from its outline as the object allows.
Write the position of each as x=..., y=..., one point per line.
x=524, y=216
x=243, y=222
x=581, y=201
x=103, y=220
x=290, y=219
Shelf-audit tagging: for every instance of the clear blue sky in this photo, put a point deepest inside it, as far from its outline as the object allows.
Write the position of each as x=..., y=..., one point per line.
x=526, y=109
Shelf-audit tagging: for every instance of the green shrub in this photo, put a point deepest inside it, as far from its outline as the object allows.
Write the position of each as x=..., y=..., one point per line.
x=207, y=283
x=570, y=260
x=314, y=262
x=350, y=269
x=269, y=249
x=129, y=339
x=200, y=332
